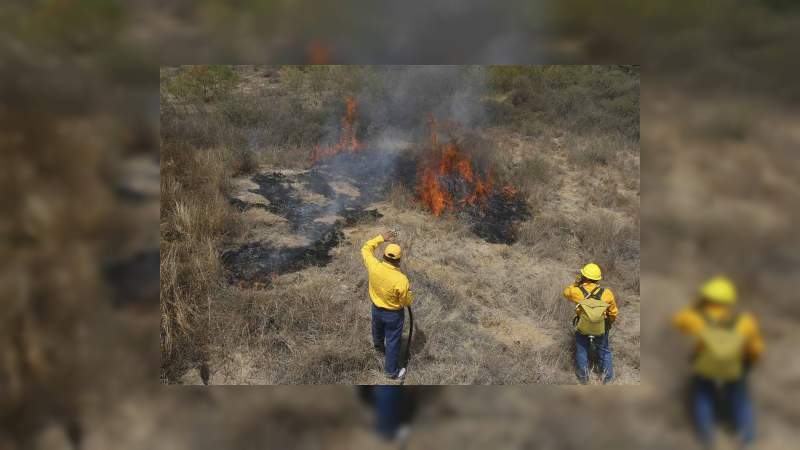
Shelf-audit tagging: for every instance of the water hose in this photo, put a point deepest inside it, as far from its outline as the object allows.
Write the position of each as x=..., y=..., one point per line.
x=407, y=356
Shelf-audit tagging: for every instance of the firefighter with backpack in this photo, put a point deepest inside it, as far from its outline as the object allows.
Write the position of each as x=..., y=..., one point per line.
x=595, y=312
x=727, y=343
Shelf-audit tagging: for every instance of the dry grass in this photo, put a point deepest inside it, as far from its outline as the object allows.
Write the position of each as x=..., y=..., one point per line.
x=550, y=237
x=481, y=316
x=507, y=417
x=195, y=219
x=57, y=208
x=485, y=313
x=609, y=240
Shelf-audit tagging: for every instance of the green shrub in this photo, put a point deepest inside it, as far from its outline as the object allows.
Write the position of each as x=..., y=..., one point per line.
x=599, y=99
x=77, y=24
x=201, y=83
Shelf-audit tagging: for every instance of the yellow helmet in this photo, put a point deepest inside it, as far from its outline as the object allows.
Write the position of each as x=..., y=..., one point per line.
x=719, y=290
x=392, y=251
x=592, y=272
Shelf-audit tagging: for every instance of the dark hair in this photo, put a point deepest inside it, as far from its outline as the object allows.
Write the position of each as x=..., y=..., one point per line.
x=394, y=262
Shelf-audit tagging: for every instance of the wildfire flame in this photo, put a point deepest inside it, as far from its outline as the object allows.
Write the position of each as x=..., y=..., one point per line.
x=449, y=179
x=318, y=53
x=347, y=136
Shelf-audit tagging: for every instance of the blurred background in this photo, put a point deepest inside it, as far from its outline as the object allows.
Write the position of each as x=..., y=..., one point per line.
x=79, y=130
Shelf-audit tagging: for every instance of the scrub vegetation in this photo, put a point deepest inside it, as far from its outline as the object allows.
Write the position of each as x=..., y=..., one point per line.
x=87, y=131
x=566, y=137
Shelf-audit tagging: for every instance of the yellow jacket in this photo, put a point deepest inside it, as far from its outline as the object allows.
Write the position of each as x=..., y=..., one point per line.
x=690, y=321
x=388, y=287
x=573, y=292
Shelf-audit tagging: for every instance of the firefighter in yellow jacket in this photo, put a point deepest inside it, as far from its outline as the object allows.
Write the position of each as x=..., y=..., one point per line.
x=727, y=343
x=595, y=311
x=390, y=293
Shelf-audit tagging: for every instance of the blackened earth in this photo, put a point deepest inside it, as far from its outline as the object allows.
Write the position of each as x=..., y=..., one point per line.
x=494, y=219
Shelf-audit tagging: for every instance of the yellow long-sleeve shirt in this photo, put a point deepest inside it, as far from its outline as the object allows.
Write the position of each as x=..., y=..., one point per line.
x=690, y=321
x=573, y=292
x=388, y=286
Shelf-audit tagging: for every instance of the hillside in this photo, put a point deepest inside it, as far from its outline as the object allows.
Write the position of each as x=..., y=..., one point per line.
x=290, y=302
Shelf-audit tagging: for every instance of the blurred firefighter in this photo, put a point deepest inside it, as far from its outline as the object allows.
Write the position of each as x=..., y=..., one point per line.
x=389, y=291
x=394, y=408
x=727, y=343
x=595, y=312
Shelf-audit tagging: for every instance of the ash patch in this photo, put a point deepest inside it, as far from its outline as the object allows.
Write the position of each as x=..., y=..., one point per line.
x=288, y=196
x=317, y=204
x=257, y=263
x=242, y=206
x=497, y=221
x=367, y=173
x=354, y=217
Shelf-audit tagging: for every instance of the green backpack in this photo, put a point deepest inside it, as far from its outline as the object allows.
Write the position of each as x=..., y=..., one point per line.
x=591, y=320
x=721, y=356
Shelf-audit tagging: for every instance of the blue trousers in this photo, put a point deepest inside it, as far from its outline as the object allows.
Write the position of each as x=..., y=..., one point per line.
x=582, y=352
x=734, y=395
x=388, y=403
x=387, y=333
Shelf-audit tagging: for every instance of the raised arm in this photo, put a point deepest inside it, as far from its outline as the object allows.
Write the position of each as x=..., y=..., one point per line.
x=754, y=344
x=612, y=304
x=367, y=251
x=573, y=294
x=688, y=321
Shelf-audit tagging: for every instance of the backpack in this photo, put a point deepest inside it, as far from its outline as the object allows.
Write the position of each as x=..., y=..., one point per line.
x=721, y=355
x=591, y=320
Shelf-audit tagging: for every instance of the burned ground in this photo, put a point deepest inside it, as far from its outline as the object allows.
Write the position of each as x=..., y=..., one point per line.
x=333, y=194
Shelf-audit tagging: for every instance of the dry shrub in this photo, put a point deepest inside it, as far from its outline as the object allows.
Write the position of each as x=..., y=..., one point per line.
x=610, y=241
x=607, y=194
x=551, y=365
x=336, y=363
x=247, y=162
x=300, y=329
x=286, y=157
x=259, y=125
x=533, y=173
x=400, y=196
x=195, y=219
x=56, y=211
x=537, y=178
x=598, y=150
x=602, y=99
x=549, y=235
x=731, y=122
x=544, y=299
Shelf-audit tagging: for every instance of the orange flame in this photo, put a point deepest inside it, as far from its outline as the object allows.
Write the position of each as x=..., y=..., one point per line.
x=448, y=162
x=482, y=189
x=432, y=194
x=347, y=137
x=318, y=53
